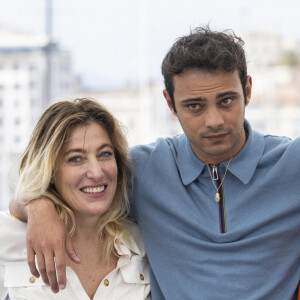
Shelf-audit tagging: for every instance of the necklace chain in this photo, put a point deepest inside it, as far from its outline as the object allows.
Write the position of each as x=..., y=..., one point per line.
x=217, y=196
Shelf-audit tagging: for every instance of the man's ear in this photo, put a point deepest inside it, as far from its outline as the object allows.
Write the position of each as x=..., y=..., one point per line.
x=169, y=102
x=248, y=89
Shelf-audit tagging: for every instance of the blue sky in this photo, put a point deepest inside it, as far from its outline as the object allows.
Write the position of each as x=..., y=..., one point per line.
x=105, y=37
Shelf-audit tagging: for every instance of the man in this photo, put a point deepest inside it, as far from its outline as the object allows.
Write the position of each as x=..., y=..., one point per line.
x=219, y=205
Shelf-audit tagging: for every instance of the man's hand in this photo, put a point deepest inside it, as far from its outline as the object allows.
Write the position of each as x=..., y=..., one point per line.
x=48, y=240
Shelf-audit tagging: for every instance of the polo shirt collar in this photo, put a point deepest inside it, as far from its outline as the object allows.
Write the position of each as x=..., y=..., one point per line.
x=242, y=166
x=190, y=167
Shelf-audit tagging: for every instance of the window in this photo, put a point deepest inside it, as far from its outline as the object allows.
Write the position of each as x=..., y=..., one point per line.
x=17, y=103
x=33, y=84
x=17, y=139
x=16, y=66
x=17, y=121
x=32, y=67
x=65, y=67
x=35, y=102
x=64, y=85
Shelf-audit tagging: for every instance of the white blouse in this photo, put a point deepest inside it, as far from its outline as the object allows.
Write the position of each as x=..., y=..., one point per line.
x=129, y=280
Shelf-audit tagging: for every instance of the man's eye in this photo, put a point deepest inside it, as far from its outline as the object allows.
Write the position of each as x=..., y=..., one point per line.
x=194, y=106
x=226, y=101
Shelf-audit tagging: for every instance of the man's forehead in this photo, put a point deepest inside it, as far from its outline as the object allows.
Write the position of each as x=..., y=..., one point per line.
x=206, y=73
x=199, y=81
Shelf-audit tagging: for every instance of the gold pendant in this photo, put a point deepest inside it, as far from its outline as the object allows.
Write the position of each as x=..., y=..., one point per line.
x=217, y=197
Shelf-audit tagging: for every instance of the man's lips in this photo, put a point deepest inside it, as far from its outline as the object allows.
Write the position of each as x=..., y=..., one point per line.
x=216, y=137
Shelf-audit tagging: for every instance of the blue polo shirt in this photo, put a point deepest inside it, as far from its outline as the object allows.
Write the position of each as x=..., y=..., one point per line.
x=172, y=198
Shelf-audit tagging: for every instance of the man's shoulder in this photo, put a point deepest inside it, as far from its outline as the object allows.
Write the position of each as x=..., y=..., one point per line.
x=170, y=144
x=280, y=142
x=265, y=142
x=281, y=149
x=277, y=139
x=162, y=151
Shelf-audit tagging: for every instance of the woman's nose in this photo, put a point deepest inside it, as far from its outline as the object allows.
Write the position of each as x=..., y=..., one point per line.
x=95, y=171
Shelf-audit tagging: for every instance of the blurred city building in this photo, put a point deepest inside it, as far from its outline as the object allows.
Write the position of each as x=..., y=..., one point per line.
x=30, y=77
x=274, y=64
x=33, y=70
x=142, y=123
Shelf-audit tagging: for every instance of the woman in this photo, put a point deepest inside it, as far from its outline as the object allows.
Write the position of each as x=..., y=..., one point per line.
x=77, y=157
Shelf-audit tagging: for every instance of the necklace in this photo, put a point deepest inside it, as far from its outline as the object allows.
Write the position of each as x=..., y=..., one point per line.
x=217, y=196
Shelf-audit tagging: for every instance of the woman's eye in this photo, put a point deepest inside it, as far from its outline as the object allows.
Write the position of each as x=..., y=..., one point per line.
x=74, y=159
x=105, y=154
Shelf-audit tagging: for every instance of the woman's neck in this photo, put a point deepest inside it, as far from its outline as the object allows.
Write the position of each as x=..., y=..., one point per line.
x=88, y=245
x=86, y=226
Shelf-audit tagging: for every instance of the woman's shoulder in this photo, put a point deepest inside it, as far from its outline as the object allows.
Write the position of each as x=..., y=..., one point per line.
x=14, y=223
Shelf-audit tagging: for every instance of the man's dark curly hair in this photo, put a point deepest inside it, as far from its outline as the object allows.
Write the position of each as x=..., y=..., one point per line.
x=206, y=50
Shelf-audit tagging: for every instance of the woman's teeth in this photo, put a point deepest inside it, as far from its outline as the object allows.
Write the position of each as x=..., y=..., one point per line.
x=94, y=190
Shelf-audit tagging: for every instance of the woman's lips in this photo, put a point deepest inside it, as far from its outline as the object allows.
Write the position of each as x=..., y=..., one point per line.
x=94, y=190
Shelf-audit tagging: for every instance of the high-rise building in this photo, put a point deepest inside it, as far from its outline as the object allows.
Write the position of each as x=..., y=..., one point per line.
x=33, y=72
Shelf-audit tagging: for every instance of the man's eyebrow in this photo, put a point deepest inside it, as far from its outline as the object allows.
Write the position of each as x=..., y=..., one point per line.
x=203, y=99
x=228, y=93
x=197, y=99
x=80, y=150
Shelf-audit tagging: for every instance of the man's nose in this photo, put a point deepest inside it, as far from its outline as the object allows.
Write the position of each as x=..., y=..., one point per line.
x=213, y=118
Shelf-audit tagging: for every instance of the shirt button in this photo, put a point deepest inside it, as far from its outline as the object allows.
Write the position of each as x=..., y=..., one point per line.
x=142, y=277
x=106, y=282
x=32, y=279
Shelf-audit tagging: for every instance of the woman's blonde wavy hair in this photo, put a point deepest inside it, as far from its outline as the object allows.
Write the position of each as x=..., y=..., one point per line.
x=38, y=163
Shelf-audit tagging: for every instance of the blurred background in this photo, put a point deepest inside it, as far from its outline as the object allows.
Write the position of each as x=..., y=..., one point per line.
x=111, y=51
